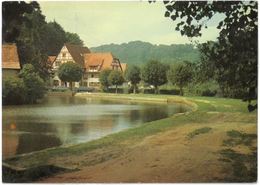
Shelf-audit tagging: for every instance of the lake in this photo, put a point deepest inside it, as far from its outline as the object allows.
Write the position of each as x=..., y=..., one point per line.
x=70, y=120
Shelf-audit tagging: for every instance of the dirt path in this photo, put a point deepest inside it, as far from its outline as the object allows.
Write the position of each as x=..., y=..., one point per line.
x=165, y=157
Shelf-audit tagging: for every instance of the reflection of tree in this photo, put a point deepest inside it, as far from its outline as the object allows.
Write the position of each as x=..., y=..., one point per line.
x=154, y=113
x=34, y=142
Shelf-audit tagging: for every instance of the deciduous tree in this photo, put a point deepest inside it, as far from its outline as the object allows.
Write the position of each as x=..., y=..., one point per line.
x=154, y=73
x=180, y=75
x=103, y=78
x=116, y=78
x=70, y=72
x=133, y=74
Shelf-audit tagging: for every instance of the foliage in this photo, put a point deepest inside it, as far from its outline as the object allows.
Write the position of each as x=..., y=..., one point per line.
x=180, y=75
x=31, y=45
x=24, y=24
x=14, y=91
x=103, y=79
x=133, y=74
x=13, y=17
x=154, y=73
x=73, y=38
x=207, y=88
x=55, y=37
x=116, y=78
x=234, y=55
x=70, y=72
x=138, y=52
x=35, y=86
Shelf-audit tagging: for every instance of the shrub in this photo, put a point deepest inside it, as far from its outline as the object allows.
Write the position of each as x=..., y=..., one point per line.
x=14, y=91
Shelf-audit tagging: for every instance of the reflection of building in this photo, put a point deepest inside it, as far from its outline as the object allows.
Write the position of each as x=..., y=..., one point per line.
x=10, y=60
x=91, y=63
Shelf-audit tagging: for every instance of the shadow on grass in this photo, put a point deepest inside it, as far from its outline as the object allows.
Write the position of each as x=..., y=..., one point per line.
x=199, y=131
x=12, y=175
x=238, y=138
x=244, y=166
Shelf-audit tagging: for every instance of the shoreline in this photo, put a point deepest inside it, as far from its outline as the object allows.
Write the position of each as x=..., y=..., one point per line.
x=115, y=145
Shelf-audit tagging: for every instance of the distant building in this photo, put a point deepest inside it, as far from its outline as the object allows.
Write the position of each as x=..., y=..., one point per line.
x=69, y=53
x=97, y=62
x=10, y=60
x=91, y=63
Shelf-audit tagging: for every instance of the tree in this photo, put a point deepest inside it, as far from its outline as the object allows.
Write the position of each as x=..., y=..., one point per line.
x=31, y=43
x=73, y=38
x=235, y=53
x=34, y=84
x=103, y=78
x=133, y=74
x=55, y=37
x=154, y=73
x=13, y=13
x=116, y=78
x=180, y=75
x=70, y=72
x=14, y=91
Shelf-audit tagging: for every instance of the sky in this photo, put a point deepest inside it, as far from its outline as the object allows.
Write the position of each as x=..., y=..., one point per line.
x=99, y=23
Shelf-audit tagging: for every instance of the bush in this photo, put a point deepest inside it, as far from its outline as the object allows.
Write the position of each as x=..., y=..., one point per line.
x=35, y=86
x=14, y=91
x=170, y=91
x=210, y=88
x=113, y=90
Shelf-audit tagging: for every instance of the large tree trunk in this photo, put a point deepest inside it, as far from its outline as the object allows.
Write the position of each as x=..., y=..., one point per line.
x=134, y=90
x=116, y=89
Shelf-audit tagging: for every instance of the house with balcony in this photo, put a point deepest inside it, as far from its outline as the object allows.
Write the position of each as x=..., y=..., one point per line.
x=10, y=60
x=97, y=62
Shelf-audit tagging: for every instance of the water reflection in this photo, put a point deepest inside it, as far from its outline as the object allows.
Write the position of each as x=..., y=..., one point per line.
x=66, y=120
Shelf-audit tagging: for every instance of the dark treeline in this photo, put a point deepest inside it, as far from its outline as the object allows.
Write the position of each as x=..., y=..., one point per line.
x=36, y=39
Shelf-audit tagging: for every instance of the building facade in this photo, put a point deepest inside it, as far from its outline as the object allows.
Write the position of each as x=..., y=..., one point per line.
x=92, y=64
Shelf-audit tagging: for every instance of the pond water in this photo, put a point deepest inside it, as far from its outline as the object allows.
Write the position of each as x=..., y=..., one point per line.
x=71, y=120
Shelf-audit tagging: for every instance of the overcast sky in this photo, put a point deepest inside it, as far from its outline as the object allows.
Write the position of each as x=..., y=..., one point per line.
x=99, y=23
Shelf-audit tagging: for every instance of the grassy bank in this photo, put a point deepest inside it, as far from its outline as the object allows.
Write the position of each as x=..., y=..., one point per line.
x=205, y=111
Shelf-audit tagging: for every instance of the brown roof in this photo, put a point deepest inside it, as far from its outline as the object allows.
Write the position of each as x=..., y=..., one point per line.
x=103, y=60
x=77, y=52
x=124, y=66
x=10, y=59
x=51, y=59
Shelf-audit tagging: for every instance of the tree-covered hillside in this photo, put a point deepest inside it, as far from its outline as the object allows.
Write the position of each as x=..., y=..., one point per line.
x=138, y=52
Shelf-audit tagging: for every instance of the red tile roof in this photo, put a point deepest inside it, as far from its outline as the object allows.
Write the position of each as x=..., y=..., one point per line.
x=103, y=60
x=10, y=59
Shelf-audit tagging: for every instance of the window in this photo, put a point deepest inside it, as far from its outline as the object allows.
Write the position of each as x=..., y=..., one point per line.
x=63, y=54
x=92, y=75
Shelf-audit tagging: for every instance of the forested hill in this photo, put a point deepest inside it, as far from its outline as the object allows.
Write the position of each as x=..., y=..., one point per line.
x=138, y=52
